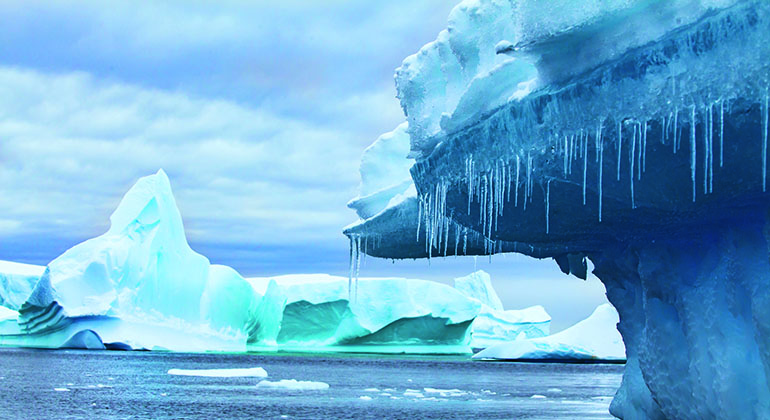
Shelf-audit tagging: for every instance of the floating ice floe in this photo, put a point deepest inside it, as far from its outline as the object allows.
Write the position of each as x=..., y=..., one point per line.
x=221, y=373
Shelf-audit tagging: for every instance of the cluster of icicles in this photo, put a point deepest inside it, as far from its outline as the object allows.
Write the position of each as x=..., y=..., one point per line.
x=492, y=187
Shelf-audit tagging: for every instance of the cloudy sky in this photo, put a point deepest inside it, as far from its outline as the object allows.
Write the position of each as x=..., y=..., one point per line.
x=258, y=111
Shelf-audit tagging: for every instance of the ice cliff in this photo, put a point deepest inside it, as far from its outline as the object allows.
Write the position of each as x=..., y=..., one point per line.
x=632, y=133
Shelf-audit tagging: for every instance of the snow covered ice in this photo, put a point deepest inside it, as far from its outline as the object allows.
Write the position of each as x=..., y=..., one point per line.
x=631, y=133
x=140, y=286
x=594, y=338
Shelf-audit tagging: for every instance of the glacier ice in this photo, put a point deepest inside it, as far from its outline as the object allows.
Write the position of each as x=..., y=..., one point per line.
x=313, y=312
x=140, y=286
x=493, y=324
x=594, y=338
x=16, y=282
x=641, y=145
x=137, y=286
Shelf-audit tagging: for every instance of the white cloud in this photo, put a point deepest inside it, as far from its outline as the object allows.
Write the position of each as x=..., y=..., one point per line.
x=70, y=146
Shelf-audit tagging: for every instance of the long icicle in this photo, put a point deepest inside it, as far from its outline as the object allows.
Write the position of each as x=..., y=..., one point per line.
x=692, y=151
x=601, y=162
x=620, y=145
x=766, y=111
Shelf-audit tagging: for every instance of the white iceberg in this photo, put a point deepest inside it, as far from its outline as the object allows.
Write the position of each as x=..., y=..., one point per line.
x=493, y=324
x=594, y=338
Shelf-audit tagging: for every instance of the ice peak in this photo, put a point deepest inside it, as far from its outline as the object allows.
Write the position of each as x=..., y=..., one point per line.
x=148, y=204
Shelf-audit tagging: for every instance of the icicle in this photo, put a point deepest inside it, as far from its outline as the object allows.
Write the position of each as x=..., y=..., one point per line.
x=352, y=268
x=547, y=207
x=692, y=151
x=644, y=149
x=516, y=196
x=721, y=133
x=465, y=241
x=632, y=158
x=676, y=129
x=601, y=169
x=358, y=267
x=765, y=113
x=419, y=217
x=620, y=145
x=457, y=237
x=566, y=156
x=585, y=166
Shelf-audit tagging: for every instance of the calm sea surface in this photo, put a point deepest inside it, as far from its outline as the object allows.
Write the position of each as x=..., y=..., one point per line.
x=73, y=384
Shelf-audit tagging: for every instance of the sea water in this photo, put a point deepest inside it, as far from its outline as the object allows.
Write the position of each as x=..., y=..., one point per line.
x=72, y=384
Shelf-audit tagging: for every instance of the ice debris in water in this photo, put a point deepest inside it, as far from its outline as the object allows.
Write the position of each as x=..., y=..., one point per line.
x=293, y=385
x=220, y=373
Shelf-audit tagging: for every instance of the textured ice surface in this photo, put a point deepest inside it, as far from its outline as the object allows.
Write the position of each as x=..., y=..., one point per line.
x=319, y=312
x=16, y=282
x=384, y=173
x=643, y=146
x=293, y=385
x=495, y=325
x=220, y=373
x=316, y=311
x=594, y=338
x=137, y=286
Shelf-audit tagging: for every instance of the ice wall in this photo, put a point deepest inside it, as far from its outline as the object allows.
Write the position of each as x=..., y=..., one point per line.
x=641, y=144
x=314, y=312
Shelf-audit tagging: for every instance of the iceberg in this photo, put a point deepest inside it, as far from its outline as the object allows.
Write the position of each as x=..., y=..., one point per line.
x=641, y=144
x=594, y=338
x=138, y=286
x=493, y=324
x=388, y=315
x=318, y=312
x=141, y=286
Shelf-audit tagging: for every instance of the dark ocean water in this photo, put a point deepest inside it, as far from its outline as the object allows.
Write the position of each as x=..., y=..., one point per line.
x=73, y=384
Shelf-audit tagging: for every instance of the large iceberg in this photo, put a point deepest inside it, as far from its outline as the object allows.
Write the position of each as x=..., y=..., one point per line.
x=634, y=133
x=137, y=286
x=318, y=312
x=140, y=286
x=390, y=315
x=595, y=338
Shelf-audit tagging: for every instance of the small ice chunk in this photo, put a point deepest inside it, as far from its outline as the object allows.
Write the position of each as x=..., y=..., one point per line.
x=413, y=393
x=554, y=390
x=445, y=392
x=220, y=373
x=365, y=398
x=538, y=397
x=293, y=385
x=61, y=389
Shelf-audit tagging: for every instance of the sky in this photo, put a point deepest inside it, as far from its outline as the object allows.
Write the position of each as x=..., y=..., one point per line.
x=258, y=111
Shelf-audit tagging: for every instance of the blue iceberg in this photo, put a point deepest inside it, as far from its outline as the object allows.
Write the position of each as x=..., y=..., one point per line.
x=633, y=134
